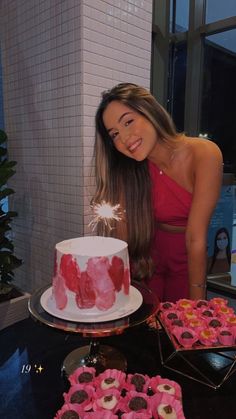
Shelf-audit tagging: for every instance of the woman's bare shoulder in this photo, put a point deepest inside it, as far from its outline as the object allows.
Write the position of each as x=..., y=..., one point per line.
x=204, y=149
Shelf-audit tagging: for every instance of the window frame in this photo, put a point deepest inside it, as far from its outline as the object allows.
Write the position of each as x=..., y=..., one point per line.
x=195, y=36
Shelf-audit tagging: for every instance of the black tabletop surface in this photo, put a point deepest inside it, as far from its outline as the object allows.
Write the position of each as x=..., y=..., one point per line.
x=28, y=394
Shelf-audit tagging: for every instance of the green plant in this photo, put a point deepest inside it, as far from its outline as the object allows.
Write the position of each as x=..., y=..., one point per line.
x=8, y=261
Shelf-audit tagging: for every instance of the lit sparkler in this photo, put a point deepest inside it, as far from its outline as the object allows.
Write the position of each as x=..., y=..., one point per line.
x=105, y=212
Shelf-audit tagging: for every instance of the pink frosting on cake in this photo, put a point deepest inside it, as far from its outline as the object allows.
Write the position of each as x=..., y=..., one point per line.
x=90, y=273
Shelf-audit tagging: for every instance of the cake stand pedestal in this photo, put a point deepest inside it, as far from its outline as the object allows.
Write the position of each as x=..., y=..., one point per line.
x=98, y=356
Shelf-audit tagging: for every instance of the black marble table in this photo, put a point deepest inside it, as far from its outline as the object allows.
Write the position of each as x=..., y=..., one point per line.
x=27, y=393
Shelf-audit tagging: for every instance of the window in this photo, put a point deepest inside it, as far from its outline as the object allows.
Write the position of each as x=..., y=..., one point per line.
x=218, y=9
x=195, y=79
x=218, y=107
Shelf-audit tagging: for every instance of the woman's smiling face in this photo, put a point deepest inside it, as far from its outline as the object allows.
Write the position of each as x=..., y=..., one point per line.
x=131, y=133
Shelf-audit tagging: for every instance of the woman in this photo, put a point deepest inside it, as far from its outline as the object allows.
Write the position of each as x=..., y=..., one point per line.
x=221, y=258
x=168, y=185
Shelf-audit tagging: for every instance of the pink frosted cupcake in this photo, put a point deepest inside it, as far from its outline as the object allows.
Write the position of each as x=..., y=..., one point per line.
x=137, y=382
x=163, y=385
x=201, y=304
x=184, y=304
x=82, y=375
x=189, y=314
x=224, y=311
x=165, y=406
x=196, y=324
x=69, y=410
x=81, y=394
x=110, y=378
x=206, y=312
x=233, y=330
x=135, y=402
x=185, y=336
x=225, y=336
x=230, y=320
x=215, y=322
x=168, y=305
x=169, y=315
x=106, y=400
x=207, y=336
x=176, y=322
x=218, y=302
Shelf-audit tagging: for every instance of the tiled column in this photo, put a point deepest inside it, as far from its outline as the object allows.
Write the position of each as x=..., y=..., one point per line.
x=57, y=57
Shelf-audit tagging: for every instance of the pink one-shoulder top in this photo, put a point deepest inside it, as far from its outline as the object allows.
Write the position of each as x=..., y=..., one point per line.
x=171, y=201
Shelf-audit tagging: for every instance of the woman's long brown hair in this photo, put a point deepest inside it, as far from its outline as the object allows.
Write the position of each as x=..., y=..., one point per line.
x=122, y=180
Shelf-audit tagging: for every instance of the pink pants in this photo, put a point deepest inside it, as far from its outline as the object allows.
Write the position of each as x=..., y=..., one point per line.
x=170, y=279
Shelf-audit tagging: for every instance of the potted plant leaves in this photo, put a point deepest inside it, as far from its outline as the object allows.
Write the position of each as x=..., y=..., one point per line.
x=8, y=261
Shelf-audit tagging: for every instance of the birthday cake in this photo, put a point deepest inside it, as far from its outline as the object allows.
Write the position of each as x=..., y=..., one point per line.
x=91, y=274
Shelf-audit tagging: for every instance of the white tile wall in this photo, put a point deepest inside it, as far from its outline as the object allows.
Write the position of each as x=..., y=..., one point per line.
x=58, y=56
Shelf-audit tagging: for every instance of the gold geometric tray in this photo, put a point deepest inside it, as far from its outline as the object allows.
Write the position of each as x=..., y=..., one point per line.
x=210, y=366
x=197, y=346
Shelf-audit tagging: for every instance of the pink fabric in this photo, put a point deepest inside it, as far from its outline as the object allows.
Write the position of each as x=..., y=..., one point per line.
x=171, y=205
x=171, y=201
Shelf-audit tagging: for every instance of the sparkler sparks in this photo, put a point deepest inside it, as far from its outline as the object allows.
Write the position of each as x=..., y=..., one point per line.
x=105, y=212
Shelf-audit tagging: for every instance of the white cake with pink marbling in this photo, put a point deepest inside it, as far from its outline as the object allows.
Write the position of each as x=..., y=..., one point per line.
x=91, y=273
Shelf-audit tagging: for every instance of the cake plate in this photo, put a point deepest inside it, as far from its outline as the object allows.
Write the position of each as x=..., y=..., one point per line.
x=95, y=355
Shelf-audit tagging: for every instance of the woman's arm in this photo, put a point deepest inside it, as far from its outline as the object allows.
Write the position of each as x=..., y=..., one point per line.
x=207, y=184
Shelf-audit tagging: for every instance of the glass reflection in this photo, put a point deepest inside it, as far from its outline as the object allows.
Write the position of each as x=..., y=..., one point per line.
x=179, y=14
x=219, y=94
x=177, y=84
x=217, y=9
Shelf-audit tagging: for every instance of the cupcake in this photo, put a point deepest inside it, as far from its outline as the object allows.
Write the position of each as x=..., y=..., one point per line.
x=206, y=312
x=230, y=320
x=207, y=336
x=81, y=394
x=169, y=315
x=224, y=311
x=225, y=336
x=165, y=406
x=110, y=378
x=135, y=402
x=201, y=304
x=167, y=306
x=195, y=324
x=82, y=375
x=163, y=385
x=137, y=382
x=177, y=322
x=189, y=314
x=218, y=302
x=233, y=330
x=185, y=336
x=69, y=411
x=106, y=400
x=215, y=322
x=184, y=304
